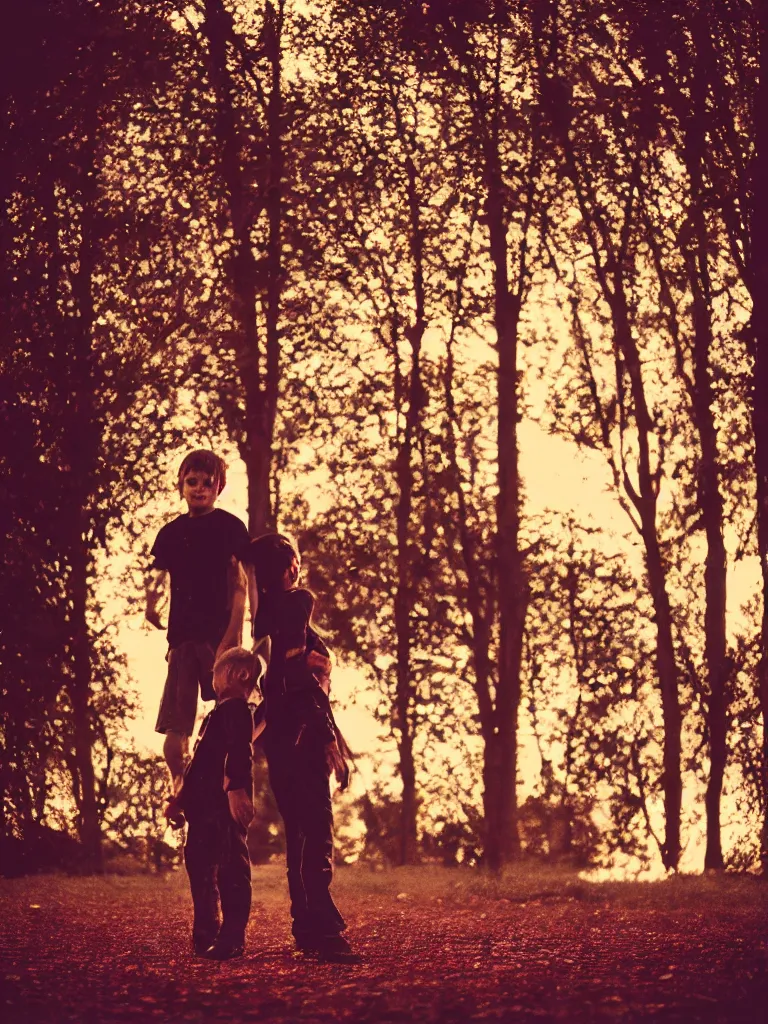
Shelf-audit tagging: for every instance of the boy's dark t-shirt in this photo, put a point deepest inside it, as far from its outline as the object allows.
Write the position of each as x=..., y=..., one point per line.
x=196, y=551
x=222, y=757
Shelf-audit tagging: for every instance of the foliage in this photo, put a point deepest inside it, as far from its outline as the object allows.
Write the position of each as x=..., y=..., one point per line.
x=362, y=245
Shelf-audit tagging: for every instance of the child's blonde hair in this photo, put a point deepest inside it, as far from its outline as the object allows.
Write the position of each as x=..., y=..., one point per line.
x=242, y=667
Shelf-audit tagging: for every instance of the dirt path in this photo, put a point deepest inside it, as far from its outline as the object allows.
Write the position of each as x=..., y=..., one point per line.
x=116, y=949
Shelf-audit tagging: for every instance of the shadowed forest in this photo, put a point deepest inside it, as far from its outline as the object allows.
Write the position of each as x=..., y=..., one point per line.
x=371, y=249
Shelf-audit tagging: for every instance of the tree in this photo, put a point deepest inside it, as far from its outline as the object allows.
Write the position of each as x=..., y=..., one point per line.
x=757, y=276
x=82, y=340
x=392, y=183
x=606, y=183
x=488, y=51
x=250, y=162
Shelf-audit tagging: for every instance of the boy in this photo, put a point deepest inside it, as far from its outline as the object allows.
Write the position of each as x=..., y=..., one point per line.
x=215, y=799
x=201, y=551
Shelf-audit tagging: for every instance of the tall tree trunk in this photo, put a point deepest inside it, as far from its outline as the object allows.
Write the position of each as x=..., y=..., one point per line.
x=609, y=262
x=645, y=502
x=404, y=594
x=489, y=109
x=274, y=266
x=644, y=499
x=481, y=610
x=672, y=783
x=255, y=438
x=403, y=699
x=758, y=281
x=504, y=843
x=80, y=693
x=575, y=724
x=715, y=571
x=710, y=498
x=715, y=652
x=403, y=608
x=83, y=444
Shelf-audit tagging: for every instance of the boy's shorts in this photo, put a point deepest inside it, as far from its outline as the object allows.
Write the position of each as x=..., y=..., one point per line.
x=190, y=669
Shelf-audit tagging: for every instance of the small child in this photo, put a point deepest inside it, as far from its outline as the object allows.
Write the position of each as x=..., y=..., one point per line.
x=301, y=741
x=201, y=551
x=215, y=799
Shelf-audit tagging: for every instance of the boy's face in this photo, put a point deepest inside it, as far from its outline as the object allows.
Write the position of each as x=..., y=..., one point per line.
x=200, y=491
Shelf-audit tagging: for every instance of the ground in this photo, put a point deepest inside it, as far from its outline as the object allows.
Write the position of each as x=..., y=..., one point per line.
x=438, y=946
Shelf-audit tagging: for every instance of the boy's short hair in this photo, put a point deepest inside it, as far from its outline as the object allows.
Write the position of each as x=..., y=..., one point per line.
x=204, y=461
x=241, y=666
x=270, y=555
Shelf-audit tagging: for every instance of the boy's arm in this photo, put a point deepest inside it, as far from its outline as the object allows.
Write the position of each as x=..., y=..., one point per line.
x=236, y=586
x=240, y=806
x=156, y=592
x=238, y=762
x=174, y=810
x=253, y=591
x=174, y=813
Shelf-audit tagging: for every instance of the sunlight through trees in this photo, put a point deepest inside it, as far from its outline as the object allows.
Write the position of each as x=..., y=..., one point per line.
x=363, y=246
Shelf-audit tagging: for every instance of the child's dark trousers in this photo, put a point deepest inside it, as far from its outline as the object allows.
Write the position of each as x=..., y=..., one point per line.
x=299, y=782
x=216, y=859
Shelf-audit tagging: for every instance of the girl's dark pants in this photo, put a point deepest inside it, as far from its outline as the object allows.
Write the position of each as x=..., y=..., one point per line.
x=300, y=784
x=216, y=859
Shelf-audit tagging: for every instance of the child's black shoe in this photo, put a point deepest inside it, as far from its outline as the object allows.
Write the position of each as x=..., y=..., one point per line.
x=224, y=951
x=336, y=950
x=201, y=946
x=305, y=944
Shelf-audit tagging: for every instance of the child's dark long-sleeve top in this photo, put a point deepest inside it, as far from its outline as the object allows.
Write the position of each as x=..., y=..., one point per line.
x=296, y=703
x=221, y=761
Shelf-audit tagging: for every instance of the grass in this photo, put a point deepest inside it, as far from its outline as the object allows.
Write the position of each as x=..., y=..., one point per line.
x=528, y=881
x=520, y=884
x=438, y=945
